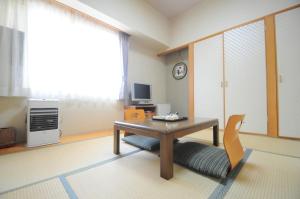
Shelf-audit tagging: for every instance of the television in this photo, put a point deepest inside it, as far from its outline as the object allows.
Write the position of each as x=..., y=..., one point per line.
x=141, y=93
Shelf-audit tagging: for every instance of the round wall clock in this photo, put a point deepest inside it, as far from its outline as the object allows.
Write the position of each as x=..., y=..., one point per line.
x=179, y=70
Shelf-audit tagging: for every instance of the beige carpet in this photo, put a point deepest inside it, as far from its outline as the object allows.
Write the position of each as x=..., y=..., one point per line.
x=23, y=168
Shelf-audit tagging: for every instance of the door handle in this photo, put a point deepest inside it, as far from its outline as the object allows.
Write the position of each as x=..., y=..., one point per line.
x=224, y=84
x=280, y=78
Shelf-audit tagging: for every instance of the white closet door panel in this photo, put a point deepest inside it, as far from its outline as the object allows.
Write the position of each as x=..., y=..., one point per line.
x=245, y=72
x=208, y=75
x=288, y=62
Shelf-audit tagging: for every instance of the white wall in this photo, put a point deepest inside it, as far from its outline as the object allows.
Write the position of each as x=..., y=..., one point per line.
x=76, y=117
x=177, y=90
x=13, y=114
x=211, y=16
x=138, y=15
x=83, y=117
x=205, y=18
x=145, y=67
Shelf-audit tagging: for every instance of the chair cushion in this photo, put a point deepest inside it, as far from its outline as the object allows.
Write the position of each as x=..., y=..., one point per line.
x=207, y=160
x=143, y=142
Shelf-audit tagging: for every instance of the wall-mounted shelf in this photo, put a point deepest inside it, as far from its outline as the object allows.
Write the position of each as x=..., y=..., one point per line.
x=171, y=50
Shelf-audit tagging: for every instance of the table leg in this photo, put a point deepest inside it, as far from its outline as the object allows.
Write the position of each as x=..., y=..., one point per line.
x=216, y=135
x=116, y=140
x=166, y=156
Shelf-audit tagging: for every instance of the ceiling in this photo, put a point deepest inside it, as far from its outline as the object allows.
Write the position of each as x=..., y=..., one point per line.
x=171, y=8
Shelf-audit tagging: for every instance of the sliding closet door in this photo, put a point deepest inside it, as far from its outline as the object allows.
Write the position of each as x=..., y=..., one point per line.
x=208, y=75
x=288, y=62
x=245, y=75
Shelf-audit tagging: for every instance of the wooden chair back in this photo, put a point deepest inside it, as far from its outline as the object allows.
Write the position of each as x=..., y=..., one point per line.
x=231, y=140
x=134, y=114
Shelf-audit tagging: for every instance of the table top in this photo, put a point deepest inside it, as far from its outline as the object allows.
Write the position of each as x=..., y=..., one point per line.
x=168, y=127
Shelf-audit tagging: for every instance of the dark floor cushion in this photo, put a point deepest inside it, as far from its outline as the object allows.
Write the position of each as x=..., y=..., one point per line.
x=147, y=143
x=207, y=160
x=143, y=142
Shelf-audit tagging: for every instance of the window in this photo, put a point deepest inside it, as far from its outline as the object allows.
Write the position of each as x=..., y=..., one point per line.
x=70, y=56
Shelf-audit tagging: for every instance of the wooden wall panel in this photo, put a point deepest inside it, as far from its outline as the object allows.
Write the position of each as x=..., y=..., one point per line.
x=191, y=80
x=272, y=95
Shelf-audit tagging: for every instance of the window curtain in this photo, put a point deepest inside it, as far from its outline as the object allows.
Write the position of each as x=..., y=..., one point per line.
x=48, y=51
x=13, y=15
x=124, y=42
x=70, y=56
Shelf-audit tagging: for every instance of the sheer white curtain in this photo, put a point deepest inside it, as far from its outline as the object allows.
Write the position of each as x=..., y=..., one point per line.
x=12, y=45
x=71, y=57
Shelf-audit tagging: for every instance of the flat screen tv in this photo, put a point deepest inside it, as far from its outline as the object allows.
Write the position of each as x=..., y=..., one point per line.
x=141, y=93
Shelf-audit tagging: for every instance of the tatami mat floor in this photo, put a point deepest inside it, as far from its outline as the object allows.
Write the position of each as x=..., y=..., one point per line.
x=282, y=146
x=88, y=169
x=47, y=190
x=267, y=176
x=19, y=169
x=137, y=176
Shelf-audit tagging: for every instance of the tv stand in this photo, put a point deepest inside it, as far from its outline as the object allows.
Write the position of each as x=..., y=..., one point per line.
x=149, y=109
x=142, y=105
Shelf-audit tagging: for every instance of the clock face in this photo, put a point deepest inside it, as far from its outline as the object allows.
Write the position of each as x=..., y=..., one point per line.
x=179, y=71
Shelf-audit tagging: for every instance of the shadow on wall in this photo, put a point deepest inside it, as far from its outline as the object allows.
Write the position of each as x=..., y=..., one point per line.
x=13, y=114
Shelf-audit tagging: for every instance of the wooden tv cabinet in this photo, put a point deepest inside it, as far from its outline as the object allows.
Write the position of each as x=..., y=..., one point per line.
x=150, y=110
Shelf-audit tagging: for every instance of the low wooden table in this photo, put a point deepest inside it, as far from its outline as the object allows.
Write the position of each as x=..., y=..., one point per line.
x=166, y=132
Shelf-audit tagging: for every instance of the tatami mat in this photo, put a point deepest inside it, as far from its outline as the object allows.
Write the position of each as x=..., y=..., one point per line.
x=262, y=143
x=267, y=176
x=91, y=170
x=52, y=189
x=23, y=168
x=137, y=177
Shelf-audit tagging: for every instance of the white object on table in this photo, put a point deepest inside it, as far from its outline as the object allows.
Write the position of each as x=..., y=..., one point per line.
x=163, y=109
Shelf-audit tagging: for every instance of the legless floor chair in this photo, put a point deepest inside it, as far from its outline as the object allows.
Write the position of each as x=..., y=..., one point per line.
x=140, y=141
x=210, y=160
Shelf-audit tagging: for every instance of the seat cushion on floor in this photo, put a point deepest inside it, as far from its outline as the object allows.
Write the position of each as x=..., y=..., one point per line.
x=204, y=159
x=143, y=142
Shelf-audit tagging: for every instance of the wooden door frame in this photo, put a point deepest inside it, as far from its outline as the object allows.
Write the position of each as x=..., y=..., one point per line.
x=191, y=108
x=271, y=64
